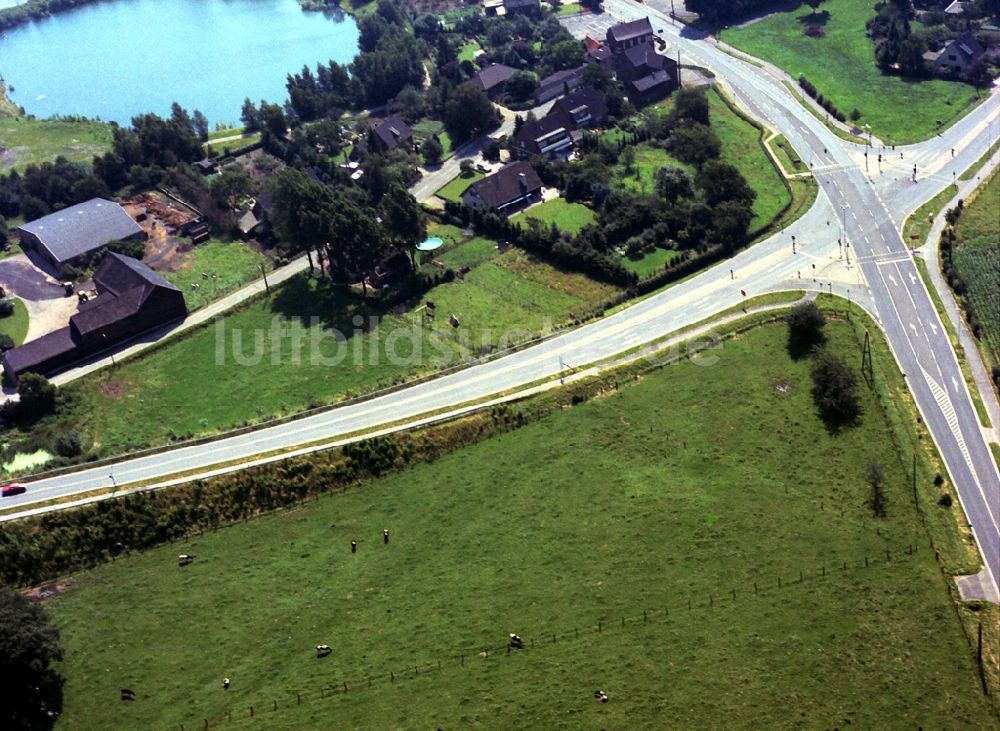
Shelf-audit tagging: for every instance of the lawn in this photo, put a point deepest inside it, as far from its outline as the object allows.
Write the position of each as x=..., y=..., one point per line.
x=217, y=268
x=149, y=400
x=651, y=262
x=842, y=66
x=647, y=161
x=568, y=217
x=32, y=141
x=453, y=190
x=234, y=144
x=687, y=485
x=16, y=326
x=468, y=52
x=918, y=224
x=471, y=253
x=424, y=129
x=788, y=156
x=977, y=258
x=741, y=146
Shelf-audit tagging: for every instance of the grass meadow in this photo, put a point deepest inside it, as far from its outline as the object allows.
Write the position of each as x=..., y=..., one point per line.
x=662, y=496
x=216, y=267
x=842, y=66
x=185, y=389
x=33, y=141
x=16, y=325
x=568, y=217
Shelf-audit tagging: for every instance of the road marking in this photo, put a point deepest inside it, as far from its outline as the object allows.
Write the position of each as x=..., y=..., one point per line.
x=913, y=277
x=933, y=326
x=948, y=411
x=916, y=333
x=954, y=383
x=893, y=280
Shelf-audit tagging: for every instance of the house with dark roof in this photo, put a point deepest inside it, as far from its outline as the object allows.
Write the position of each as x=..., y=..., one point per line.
x=957, y=56
x=492, y=79
x=555, y=134
x=585, y=108
x=514, y=187
x=626, y=35
x=70, y=234
x=512, y=7
x=131, y=300
x=388, y=134
x=646, y=74
x=561, y=82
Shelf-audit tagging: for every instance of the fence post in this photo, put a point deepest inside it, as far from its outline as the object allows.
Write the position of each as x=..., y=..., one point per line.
x=734, y=593
x=755, y=587
x=866, y=562
x=598, y=626
x=276, y=705
x=801, y=578
x=779, y=582
x=644, y=616
x=823, y=570
x=251, y=711
x=887, y=557
x=623, y=622
x=298, y=697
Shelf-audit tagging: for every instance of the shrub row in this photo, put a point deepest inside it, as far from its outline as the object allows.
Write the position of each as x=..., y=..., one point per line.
x=809, y=88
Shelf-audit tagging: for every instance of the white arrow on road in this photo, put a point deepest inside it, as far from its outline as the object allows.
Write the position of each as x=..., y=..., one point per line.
x=913, y=278
x=916, y=333
x=954, y=383
x=933, y=326
x=893, y=280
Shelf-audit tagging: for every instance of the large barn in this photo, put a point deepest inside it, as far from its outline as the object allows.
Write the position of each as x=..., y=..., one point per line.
x=132, y=300
x=70, y=234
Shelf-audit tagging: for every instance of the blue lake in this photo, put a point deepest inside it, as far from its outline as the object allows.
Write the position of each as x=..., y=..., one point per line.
x=120, y=58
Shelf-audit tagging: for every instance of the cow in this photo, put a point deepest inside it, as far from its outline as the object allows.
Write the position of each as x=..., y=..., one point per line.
x=184, y=559
x=128, y=694
x=385, y=536
x=516, y=642
x=323, y=650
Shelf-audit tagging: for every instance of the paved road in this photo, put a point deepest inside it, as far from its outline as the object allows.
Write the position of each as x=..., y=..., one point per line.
x=882, y=277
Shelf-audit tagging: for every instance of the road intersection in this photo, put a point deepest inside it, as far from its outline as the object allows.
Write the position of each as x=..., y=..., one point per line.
x=876, y=271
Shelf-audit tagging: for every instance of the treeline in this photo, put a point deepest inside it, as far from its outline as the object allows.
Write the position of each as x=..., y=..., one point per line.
x=36, y=10
x=716, y=12
x=809, y=88
x=38, y=549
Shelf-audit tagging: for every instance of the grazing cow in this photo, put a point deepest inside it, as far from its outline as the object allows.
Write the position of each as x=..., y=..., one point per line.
x=354, y=546
x=601, y=696
x=184, y=559
x=225, y=683
x=453, y=321
x=516, y=642
x=385, y=536
x=323, y=650
x=128, y=694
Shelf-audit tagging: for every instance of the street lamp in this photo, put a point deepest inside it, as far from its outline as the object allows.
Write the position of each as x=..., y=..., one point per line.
x=868, y=129
x=114, y=483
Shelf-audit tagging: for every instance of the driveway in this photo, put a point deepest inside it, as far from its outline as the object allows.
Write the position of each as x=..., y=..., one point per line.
x=48, y=306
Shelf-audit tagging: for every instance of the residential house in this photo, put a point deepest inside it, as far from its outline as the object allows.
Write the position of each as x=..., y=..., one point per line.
x=552, y=136
x=958, y=55
x=646, y=74
x=626, y=35
x=132, y=300
x=70, y=234
x=493, y=78
x=514, y=187
x=510, y=7
x=585, y=108
x=561, y=82
x=388, y=134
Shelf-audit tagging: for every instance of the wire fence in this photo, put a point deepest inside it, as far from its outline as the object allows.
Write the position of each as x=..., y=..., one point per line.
x=679, y=610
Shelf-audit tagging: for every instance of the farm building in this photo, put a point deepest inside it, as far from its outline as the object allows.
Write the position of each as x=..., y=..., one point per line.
x=131, y=300
x=66, y=236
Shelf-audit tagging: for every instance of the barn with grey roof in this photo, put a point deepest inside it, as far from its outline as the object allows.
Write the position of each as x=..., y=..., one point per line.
x=70, y=234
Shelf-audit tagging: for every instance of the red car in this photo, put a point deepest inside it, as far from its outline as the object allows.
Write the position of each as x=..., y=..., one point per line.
x=11, y=490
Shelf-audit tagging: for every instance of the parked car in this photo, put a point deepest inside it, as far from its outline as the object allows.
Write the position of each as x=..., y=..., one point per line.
x=482, y=168
x=11, y=490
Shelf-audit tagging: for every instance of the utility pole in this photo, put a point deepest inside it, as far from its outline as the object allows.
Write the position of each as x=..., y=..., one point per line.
x=267, y=288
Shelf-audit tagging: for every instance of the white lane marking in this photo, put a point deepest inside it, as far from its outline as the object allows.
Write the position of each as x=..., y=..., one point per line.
x=893, y=280
x=916, y=333
x=933, y=326
x=948, y=410
x=954, y=383
x=913, y=277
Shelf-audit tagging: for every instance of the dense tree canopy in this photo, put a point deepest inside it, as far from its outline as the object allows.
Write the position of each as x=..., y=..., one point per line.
x=30, y=688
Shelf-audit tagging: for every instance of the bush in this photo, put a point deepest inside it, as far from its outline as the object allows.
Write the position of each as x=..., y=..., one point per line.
x=805, y=329
x=6, y=342
x=945, y=500
x=68, y=443
x=6, y=307
x=835, y=390
x=36, y=396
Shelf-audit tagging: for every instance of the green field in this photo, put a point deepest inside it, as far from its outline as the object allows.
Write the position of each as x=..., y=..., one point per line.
x=648, y=159
x=689, y=485
x=506, y=299
x=741, y=146
x=568, y=217
x=453, y=190
x=977, y=258
x=789, y=157
x=16, y=326
x=217, y=268
x=424, y=129
x=918, y=224
x=842, y=66
x=468, y=52
x=32, y=141
x=651, y=262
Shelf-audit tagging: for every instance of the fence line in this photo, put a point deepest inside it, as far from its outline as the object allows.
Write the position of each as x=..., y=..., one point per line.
x=761, y=587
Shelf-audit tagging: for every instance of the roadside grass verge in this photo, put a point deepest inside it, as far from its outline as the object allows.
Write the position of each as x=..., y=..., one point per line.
x=568, y=217
x=215, y=269
x=842, y=66
x=16, y=325
x=978, y=164
x=34, y=141
x=579, y=498
x=918, y=224
x=454, y=189
x=789, y=157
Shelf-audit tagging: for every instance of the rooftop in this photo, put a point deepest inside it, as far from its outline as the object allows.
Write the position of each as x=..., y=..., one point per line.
x=82, y=228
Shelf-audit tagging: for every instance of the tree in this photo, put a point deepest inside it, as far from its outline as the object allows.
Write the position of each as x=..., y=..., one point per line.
x=250, y=116
x=597, y=77
x=468, y=113
x=672, y=183
x=835, y=390
x=432, y=150
x=301, y=211
x=30, y=688
x=694, y=143
x=403, y=218
x=200, y=124
x=230, y=186
x=805, y=329
x=36, y=396
x=521, y=85
x=566, y=54
x=691, y=105
x=720, y=181
x=32, y=208
x=357, y=242
x=730, y=221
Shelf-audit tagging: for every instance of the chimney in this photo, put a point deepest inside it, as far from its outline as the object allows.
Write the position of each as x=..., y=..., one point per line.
x=523, y=179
